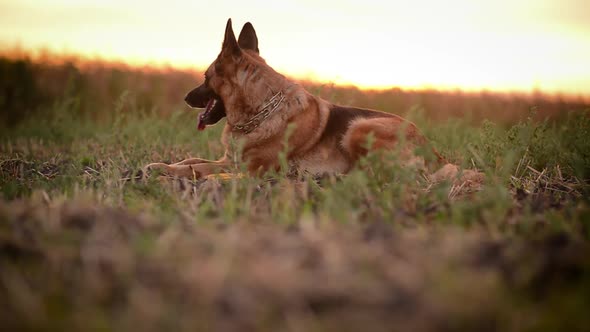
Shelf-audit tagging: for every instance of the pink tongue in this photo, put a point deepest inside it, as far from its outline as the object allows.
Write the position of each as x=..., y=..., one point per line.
x=201, y=125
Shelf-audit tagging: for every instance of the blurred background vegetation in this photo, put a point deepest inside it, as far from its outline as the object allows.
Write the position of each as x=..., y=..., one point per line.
x=29, y=86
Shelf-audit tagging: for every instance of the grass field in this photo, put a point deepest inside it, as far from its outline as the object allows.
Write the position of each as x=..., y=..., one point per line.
x=88, y=243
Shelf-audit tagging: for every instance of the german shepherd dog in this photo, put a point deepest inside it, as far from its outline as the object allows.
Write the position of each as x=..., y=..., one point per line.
x=260, y=104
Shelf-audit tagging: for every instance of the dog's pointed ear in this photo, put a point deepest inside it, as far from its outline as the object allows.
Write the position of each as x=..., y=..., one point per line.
x=230, y=44
x=248, y=39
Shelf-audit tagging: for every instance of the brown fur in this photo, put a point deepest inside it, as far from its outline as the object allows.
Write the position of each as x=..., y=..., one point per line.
x=326, y=138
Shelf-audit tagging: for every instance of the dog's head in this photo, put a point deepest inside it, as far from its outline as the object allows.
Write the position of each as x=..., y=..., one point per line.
x=221, y=76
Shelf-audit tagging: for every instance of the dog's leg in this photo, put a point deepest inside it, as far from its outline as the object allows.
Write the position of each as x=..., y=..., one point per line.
x=191, y=161
x=191, y=171
x=224, y=176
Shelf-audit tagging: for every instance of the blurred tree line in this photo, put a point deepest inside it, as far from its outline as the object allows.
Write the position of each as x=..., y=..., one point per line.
x=33, y=87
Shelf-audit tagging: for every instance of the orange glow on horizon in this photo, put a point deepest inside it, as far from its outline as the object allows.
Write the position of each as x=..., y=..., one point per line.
x=459, y=44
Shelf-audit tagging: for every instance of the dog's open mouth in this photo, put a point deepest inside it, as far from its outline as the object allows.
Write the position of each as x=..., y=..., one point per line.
x=203, y=97
x=214, y=111
x=203, y=116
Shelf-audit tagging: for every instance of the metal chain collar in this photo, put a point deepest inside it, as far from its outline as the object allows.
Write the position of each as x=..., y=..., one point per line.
x=264, y=113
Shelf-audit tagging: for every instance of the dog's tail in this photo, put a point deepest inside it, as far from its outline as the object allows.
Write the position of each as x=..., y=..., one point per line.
x=452, y=172
x=470, y=178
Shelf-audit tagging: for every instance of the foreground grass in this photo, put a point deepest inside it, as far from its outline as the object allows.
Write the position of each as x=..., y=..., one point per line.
x=86, y=243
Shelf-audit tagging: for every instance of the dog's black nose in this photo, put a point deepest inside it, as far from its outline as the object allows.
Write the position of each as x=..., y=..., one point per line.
x=189, y=99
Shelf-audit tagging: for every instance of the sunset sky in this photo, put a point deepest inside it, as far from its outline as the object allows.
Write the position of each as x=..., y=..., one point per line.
x=498, y=45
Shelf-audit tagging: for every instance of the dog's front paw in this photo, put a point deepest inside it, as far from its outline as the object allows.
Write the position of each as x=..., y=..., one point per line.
x=158, y=168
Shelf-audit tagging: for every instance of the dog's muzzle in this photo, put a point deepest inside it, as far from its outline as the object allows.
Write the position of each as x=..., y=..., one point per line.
x=204, y=97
